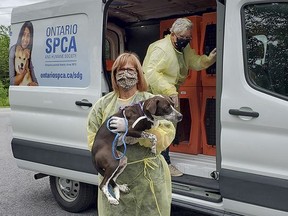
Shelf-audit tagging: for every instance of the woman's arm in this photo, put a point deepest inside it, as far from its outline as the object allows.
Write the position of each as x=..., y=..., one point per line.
x=165, y=133
x=19, y=77
x=199, y=62
x=95, y=118
x=33, y=77
x=12, y=64
x=157, y=74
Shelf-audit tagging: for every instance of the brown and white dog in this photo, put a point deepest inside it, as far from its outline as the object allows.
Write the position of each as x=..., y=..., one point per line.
x=140, y=117
x=21, y=63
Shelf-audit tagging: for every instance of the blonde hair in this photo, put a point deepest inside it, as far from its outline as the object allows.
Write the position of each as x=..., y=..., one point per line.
x=180, y=25
x=121, y=61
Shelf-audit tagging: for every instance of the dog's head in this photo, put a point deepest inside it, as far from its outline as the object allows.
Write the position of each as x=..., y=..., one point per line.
x=21, y=58
x=161, y=107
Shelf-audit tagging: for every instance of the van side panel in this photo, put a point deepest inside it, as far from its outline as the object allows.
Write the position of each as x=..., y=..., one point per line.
x=49, y=120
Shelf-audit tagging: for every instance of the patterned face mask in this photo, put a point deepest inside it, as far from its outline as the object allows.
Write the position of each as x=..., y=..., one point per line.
x=126, y=78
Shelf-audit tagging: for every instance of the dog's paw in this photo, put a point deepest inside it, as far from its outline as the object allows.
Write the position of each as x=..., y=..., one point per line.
x=153, y=149
x=109, y=193
x=113, y=201
x=117, y=192
x=124, y=188
x=131, y=140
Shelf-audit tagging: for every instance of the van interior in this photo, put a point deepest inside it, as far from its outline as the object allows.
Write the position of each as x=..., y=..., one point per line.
x=133, y=25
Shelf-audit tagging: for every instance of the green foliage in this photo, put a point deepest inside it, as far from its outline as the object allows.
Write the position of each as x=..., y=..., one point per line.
x=4, y=101
x=4, y=65
x=267, y=45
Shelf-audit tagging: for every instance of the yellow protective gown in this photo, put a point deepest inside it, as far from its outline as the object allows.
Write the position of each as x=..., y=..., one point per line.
x=166, y=68
x=146, y=174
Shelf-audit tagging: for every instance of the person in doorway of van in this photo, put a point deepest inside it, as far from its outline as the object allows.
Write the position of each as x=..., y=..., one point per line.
x=21, y=70
x=166, y=66
x=146, y=174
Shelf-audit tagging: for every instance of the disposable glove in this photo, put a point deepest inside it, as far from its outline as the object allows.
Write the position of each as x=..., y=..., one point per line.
x=175, y=100
x=212, y=55
x=117, y=124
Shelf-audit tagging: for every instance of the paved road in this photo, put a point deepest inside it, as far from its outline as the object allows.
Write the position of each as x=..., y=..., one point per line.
x=21, y=195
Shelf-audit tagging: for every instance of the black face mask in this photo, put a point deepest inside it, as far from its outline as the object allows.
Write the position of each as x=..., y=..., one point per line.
x=181, y=43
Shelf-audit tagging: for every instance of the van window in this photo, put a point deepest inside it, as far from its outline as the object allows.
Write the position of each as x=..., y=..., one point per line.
x=266, y=34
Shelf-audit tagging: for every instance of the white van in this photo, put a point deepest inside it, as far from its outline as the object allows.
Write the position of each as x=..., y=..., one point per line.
x=234, y=137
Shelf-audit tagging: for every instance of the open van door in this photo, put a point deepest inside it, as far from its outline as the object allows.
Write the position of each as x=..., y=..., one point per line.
x=254, y=98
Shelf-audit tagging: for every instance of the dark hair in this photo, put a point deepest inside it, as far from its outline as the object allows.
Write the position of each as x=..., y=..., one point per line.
x=28, y=25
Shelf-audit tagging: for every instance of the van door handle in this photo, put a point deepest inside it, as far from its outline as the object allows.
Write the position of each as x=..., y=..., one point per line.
x=243, y=113
x=83, y=102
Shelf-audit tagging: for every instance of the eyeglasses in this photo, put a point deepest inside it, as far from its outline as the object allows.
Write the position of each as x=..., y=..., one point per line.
x=128, y=70
x=183, y=37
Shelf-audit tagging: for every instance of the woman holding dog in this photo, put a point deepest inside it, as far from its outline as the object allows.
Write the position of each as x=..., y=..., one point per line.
x=146, y=174
x=25, y=41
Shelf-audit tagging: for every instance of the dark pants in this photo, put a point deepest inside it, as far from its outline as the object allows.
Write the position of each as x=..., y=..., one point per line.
x=165, y=154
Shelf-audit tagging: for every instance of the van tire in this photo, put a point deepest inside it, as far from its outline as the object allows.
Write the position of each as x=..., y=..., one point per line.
x=73, y=196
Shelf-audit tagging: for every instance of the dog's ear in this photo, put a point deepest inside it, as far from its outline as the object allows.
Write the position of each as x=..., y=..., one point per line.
x=27, y=53
x=18, y=49
x=170, y=100
x=151, y=106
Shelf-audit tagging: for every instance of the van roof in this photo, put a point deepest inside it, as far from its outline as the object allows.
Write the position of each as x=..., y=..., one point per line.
x=134, y=10
x=123, y=11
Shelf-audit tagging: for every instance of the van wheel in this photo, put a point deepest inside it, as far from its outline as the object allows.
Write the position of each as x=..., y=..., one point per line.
x=73, y=196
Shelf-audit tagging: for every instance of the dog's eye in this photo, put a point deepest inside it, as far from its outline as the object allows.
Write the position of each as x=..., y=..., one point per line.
x=167, y=107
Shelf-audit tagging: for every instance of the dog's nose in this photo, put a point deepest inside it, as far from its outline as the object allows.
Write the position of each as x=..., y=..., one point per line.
x=180, y=117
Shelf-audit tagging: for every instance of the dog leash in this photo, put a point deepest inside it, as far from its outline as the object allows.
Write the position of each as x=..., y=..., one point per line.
x=114, y=143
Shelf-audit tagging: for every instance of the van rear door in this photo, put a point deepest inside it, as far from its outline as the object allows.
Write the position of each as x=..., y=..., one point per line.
x=254, y=104
x=49, y=120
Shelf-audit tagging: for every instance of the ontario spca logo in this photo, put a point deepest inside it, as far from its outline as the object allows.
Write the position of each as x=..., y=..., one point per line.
x=61, y=39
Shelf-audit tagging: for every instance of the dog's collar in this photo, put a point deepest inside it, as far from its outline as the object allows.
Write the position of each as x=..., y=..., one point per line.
x=137, y=120
x=141, y=104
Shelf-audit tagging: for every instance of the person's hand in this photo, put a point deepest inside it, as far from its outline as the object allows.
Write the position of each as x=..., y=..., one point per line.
x=22, y=71
x=117, y=124
x=175, y=100
x=32, y=84
x=212, y=54
x=19, y=76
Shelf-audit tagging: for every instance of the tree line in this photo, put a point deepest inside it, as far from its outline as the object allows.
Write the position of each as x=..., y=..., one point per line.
x=4, y=64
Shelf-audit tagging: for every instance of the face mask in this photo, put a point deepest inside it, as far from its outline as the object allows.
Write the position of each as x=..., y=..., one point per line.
x=126, y=79
x=181, y=43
